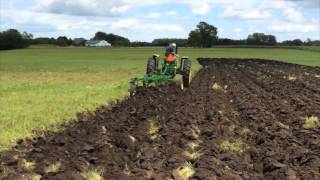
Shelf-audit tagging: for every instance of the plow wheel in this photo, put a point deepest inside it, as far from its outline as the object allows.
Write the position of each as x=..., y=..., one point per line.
x=186, y=76
x=151, y=66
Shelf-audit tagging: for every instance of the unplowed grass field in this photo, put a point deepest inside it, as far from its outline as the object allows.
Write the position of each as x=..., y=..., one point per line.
x=43, y=87
x=240, y=119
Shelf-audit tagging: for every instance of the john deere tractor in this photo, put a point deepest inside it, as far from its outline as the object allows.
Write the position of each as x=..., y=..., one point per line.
x=157, y=74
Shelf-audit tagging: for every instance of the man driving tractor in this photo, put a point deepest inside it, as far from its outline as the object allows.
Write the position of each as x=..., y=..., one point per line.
x=171, y=51
x=165, y=72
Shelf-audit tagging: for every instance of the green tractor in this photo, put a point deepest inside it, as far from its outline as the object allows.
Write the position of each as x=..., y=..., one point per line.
x=170, y=67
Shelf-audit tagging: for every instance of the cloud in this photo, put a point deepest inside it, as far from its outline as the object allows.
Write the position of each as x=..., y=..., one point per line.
x=249, y=9
x=159, y=27
x=245, y=14
x=306, y=3
x=113, y=7
x=119, y=9
x=237, y=30
x=200, y=8
x=264, y=9
x=284, y=27
x=289, y=9
x=6, y=4
x=125, y=24
x=138, y=25
x=157, y=15
x=293, y=14
x=171, y=13
x=84, y=7
x=221, y=30
x=153, y=16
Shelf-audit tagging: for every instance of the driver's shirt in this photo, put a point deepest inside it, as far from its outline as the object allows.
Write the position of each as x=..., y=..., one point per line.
x=169, y=50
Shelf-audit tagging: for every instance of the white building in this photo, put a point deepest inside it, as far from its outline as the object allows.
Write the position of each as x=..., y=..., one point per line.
x=94, y=43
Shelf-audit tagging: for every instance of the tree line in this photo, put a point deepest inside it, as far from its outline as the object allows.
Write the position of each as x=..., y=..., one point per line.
x=13, y=39
x=203, y=36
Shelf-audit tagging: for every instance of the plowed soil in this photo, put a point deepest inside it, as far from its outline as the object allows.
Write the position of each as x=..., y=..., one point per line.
x=261, y=105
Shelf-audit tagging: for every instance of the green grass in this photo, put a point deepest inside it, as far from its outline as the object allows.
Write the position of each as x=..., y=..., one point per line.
x=95, y=174
x=308, y=48
x=236, y=146
x=28, y=166
x=184, y=172
x=311, y=122
x=43, y=87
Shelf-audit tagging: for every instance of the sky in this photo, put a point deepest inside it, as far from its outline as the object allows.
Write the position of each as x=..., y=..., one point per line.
x=145, y=20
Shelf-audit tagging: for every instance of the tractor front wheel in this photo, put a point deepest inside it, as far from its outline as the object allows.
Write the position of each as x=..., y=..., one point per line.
x=186, y=76
x=151, y=66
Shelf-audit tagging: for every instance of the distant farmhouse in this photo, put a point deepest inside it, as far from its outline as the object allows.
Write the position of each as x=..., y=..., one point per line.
x=94, y=43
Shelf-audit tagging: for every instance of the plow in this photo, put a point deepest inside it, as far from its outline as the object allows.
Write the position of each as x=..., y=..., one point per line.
x=161, y=73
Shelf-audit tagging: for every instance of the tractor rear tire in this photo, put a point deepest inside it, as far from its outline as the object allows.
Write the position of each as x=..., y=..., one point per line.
x=186, y=76
x=151, y=66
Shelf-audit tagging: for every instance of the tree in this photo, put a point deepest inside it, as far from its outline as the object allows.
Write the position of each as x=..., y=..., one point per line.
x=226, y=41
x=315, y=43
x=62, y=41
x=113, y=39
x=69, y=42
x=295, y=42
x=44, y=40
x=194, y=39
x=79, y=41
x=270, y=40
x=27, y=36
x=308, y=42
x=261, y=39
x=100, y=36
x=166, y=41
x=13, y=39
x=205, y=35
x=140, y=44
